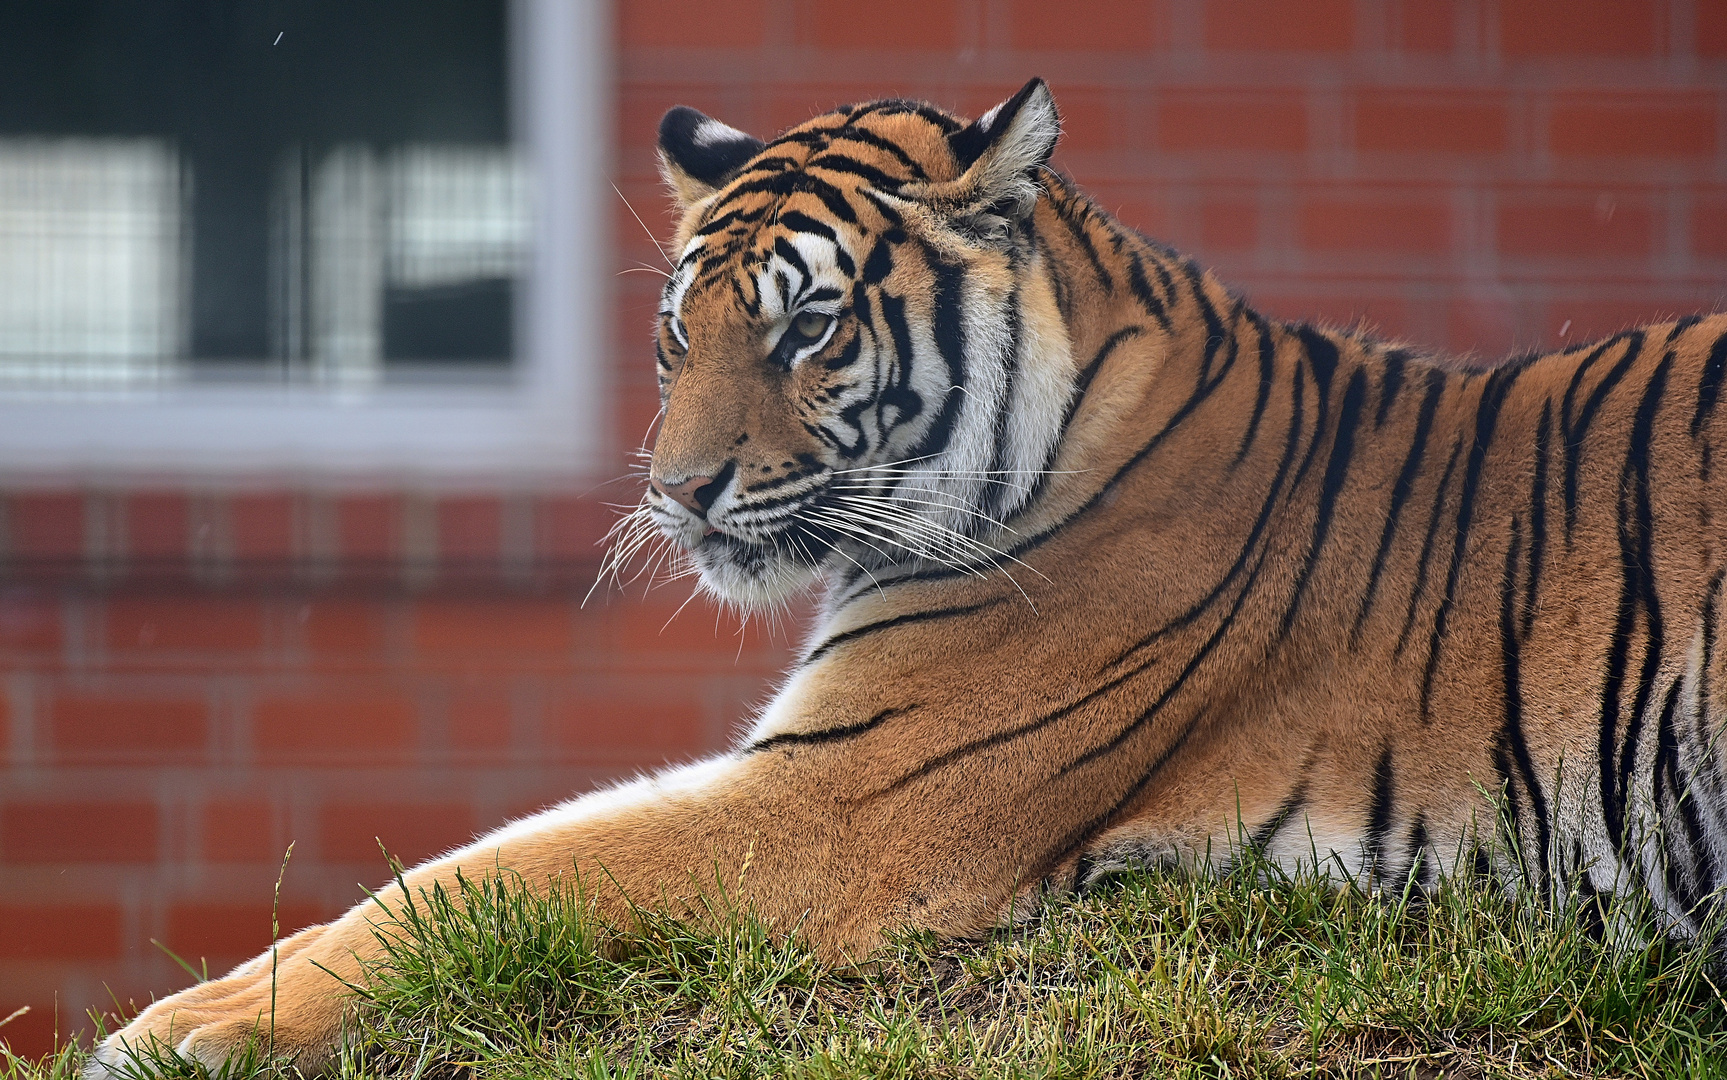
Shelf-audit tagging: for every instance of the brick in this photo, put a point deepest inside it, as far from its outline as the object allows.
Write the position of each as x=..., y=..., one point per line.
x=642, y=220
x=1210, y=122
x=643, y=726
x=411, y=831
x=1135, y=205
x=1570, y=321
x=33, y=1035
x=1602, y=227
x=524, y=627
x=351, y=629
x=1364, y=224
x=364, y=722
x=793, y=103
x=29, y=620
x=569, y=529
x=1634, y=126
x=1228, y=225
x=368, y=526
x=59, y=931
x=262, y=526
x=1092, y=25
x=238, y=831
x=1578, y=28
x=83, y=723
x=47, y=525
x=1483, y=327
x=899, y=25
x=76, y=832
x=156, y=525
x=183, y=622
x=653, y=627
x=1280, y=25
x=469, y=528
x=1090, y=119
x=480, y=720
x=231, y=931
x=1709, y=228
x=712, y=24
x=1711, y=29
x=1430, y=124
x=1425, y=26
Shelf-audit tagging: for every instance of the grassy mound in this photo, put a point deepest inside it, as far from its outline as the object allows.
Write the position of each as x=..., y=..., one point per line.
x=1159, y=974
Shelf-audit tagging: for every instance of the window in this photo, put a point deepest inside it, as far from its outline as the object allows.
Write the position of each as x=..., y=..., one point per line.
x=359, y=239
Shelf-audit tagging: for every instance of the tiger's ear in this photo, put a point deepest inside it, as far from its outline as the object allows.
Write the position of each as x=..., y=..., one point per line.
x=698, y=154
x=1001, y=152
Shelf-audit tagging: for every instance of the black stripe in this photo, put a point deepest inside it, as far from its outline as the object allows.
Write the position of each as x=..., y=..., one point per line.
x=867, y=629
x=1292, y=441
x=784, y=249
x=1537, y=517
x=730, y=217
x=1379, y=812
x=1574, y=428
x=1498, y=385
x=798, y=221
x=1421, y=867
x=1267, y=373
x=1390, y=383
x=1079, y=837
x=853, y=133
x=1669, y=790
x=1400, y=492
x=993, y=494
x=1065, y=213
x=1208, y=315
x=826, y=735
x=948, y=329
x=1321, y=355
x=1020, y=730
x=1709, y=389
x=1336, y=474
x=1261, y=837
x=851, y=166
x=1143, y=292
x=1427, y=546
x=1150, y=446
x=1511, y=732
x=1638, y=557
x=1089, y=372
x=791, y=183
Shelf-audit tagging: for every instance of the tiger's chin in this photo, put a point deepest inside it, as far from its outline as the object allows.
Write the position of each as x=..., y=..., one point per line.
x=751, y=577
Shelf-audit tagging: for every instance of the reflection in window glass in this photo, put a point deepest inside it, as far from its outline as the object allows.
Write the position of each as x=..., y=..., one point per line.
x=323, y=190
x=90, y=259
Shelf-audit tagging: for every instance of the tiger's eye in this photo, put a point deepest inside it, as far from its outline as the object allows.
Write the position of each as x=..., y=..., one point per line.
x=810, y=325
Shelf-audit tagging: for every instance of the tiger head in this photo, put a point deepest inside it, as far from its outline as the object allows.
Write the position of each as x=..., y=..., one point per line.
x=857, y=366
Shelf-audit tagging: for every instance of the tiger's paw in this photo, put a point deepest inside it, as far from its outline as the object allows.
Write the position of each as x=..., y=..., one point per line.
x=280, y=1007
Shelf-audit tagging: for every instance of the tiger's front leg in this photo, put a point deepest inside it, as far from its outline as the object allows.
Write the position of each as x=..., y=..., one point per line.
x=784, y=832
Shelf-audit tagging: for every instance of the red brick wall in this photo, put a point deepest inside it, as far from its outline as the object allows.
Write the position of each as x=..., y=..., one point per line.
x=191, y=680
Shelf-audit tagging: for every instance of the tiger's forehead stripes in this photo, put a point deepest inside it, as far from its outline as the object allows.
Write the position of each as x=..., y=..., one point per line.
x=811, y=201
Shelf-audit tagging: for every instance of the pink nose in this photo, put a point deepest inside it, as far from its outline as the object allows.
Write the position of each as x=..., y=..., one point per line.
x=687, y=492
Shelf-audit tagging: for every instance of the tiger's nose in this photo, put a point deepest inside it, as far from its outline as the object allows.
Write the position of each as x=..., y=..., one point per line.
x=697, y=493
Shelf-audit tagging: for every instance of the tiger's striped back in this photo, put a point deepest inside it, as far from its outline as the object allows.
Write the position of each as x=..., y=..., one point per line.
x=1147, y=560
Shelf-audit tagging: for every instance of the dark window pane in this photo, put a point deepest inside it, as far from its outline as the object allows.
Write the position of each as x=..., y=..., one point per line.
x=346, y=194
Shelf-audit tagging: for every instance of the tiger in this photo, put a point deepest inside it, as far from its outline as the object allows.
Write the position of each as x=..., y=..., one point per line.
x=1111, y=569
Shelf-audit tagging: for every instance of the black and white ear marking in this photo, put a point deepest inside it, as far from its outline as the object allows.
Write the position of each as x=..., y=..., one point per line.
x=698, y=154
x=1000, y=153
x=1021, y=131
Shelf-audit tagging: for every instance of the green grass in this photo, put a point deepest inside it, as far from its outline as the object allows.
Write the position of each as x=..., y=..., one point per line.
x=1157, y=974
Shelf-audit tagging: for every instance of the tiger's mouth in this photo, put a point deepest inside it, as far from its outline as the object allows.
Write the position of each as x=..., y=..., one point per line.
x=758, y=572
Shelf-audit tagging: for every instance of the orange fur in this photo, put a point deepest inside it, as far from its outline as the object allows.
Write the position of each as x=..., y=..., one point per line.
x=1270, y=584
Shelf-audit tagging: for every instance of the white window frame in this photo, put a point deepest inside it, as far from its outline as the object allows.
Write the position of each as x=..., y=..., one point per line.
x=545, y=423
